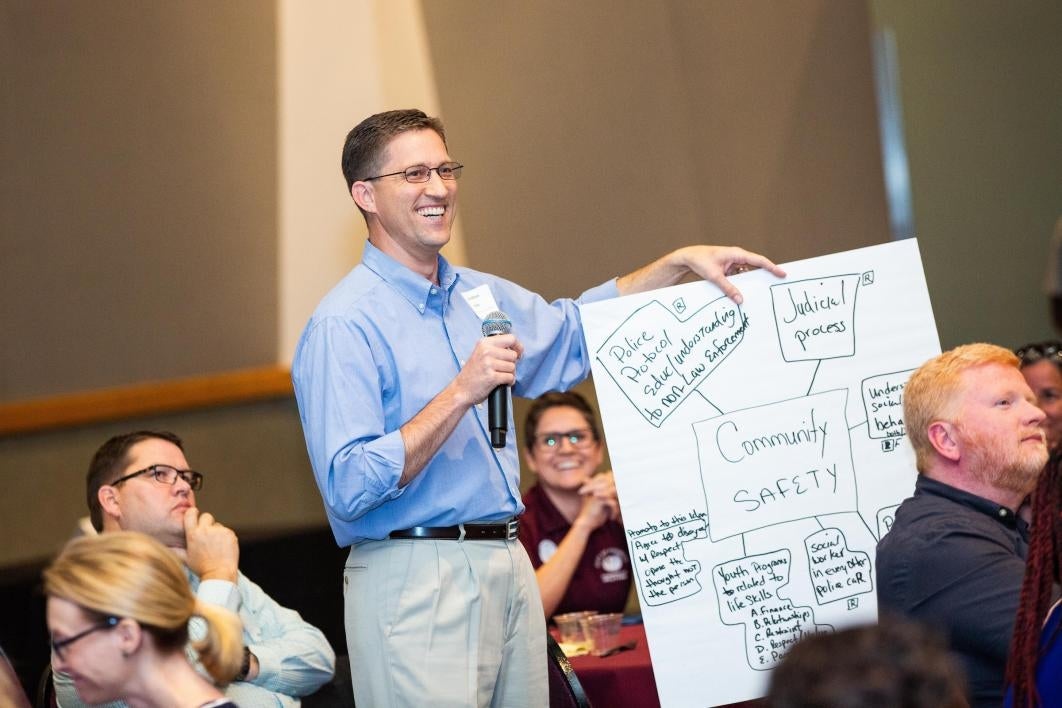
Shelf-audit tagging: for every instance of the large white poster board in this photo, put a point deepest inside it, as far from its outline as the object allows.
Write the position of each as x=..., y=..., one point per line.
x=759, y=454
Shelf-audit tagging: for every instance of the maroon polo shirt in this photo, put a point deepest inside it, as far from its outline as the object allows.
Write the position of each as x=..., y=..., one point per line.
x=602, y=580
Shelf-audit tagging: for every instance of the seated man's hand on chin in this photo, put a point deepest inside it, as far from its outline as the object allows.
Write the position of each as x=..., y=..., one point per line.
x=212, y=550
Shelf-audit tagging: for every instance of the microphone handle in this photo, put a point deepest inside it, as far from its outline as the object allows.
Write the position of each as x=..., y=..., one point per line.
x=498, y=415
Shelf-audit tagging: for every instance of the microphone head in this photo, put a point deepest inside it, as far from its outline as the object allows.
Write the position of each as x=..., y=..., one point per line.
x=496, y=322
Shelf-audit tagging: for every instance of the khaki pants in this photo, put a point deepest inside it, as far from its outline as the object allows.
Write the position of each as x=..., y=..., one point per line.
x=444, y=623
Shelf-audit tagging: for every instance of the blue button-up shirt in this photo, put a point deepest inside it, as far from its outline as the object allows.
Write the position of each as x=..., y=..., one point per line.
x=381, y=345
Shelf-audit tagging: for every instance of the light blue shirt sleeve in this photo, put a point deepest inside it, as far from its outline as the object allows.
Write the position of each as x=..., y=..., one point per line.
x=343, y=415
x=294, y=657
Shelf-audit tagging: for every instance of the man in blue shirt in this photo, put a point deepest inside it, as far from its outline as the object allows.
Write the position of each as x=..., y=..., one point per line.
x=391, y=376
x=140, y=481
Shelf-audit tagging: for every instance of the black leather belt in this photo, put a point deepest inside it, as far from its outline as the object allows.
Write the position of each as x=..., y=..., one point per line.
x=504, y=531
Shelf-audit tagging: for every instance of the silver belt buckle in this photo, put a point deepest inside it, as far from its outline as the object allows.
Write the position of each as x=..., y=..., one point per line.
x=511, y=529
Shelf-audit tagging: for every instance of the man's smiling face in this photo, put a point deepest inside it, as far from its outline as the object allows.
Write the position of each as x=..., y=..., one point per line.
x=413, y=221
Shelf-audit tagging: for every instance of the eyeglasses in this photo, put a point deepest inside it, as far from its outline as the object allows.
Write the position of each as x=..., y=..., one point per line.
x=167, y=475
x=1032, y=353
x=59, y=648
x=579, y=439
x=422, y=173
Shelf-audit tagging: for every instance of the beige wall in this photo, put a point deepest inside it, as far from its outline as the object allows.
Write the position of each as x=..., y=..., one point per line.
x=165, y=154
x=599, y=134
x=137, y=203
x=586, y=159
x=338, y=62
x=982, y=99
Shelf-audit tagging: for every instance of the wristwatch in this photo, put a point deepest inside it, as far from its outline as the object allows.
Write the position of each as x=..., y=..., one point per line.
x=245, y=667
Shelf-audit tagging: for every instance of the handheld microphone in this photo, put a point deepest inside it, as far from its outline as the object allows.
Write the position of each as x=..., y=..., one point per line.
x=497, y=322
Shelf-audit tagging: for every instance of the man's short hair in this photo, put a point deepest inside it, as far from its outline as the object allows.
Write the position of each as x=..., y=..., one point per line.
x=930, y=392
x=110, y=460
x=365, y=144
x=896, y=663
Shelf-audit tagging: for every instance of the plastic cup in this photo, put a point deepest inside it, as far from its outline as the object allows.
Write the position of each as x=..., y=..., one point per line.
x=602, y=632
x=571, y=630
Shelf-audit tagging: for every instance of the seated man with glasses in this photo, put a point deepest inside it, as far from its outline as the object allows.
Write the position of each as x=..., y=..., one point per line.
x=571, y=527
x=140, y=481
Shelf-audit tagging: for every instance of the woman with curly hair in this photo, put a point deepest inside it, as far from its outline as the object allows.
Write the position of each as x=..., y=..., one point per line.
x=118, y=611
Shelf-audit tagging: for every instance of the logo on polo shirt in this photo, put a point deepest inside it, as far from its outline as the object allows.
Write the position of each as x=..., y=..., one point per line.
x=612, y=563
x=546, y=549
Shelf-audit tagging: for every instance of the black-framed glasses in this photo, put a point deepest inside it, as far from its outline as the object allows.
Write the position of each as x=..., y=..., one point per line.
x=579, y=439
x=166, y=474
x=422, y=173
x=1032, y=353
x=59, y=647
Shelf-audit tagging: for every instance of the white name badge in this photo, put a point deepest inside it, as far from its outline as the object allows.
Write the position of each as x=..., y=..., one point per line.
x=481, y=300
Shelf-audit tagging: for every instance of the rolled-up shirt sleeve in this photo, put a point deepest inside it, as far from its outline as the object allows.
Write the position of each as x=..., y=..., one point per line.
x=356, y=461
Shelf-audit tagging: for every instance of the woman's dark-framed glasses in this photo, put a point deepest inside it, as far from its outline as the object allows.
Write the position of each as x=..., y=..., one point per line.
x=1032, y=353
x=583, y=437
x=422, y=173
x=59, y=647
x=165, y=474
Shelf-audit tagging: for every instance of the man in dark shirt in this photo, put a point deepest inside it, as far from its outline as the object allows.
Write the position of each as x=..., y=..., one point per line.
x=955, y=556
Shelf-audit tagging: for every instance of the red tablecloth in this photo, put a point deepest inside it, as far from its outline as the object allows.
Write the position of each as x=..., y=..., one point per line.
x=624, y=679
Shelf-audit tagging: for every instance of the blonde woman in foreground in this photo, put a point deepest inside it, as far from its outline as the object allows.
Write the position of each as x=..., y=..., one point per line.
x=118, y=611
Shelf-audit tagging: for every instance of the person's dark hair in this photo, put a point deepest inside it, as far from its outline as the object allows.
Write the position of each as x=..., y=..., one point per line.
x=365, y=144
x=554, y=399
x=1041, y=573
x=895, y=663
x=109, y=461
x=1031, y=353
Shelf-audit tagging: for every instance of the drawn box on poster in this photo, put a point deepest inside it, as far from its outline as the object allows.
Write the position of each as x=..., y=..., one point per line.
x=885, y=517
x=815, y=318
x=837, y=571
x=662, y=571
x=749, y=591
x=883, y=401
x=776, y=463
x=659, y=360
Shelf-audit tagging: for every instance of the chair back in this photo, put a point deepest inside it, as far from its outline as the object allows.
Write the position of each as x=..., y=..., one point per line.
x=46, y=690
x=565, y=691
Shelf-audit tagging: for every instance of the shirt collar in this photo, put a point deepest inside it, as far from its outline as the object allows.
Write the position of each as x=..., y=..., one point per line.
x=1000, y=513
x=412, y=286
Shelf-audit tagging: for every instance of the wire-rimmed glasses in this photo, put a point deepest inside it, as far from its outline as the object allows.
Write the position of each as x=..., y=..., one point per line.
x=422, y=173
x=165, y=474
